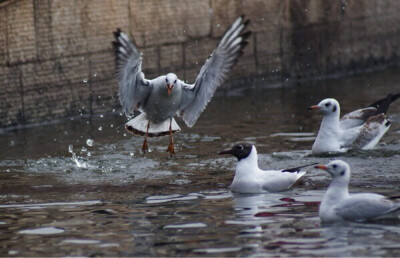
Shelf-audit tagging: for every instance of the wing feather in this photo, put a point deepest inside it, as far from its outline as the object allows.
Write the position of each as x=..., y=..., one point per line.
x=213, y=73
x=133, y=87
x=365, y=207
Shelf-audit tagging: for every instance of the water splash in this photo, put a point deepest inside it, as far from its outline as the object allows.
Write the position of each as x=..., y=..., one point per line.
x=75, y=158
x=89, y=142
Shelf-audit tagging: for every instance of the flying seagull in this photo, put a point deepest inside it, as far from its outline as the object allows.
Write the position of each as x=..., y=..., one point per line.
x=337, y=205
x=360, y=129
x=249, y=178
x=160, y=99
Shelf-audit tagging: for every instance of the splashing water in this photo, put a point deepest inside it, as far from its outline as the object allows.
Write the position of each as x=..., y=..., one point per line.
x=75, y=158
x=89, y=142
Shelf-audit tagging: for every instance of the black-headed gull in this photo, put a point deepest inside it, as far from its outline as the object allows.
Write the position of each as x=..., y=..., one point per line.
x=360, y=129
x=161, y=98
x=337, y=205
x=249, y=178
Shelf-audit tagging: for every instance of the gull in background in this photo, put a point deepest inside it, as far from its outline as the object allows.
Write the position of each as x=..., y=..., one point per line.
x=160, y=99
x=337, y=205
x=360, y=129
x=249, y=178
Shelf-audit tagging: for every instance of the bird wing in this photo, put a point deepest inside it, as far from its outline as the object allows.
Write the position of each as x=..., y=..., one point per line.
x=297, y=169
x=367, y=206
x=360, y=136
x=275, y=180
x=382, y=105
x=213, y=73
x=357, y=117
x=133, y=87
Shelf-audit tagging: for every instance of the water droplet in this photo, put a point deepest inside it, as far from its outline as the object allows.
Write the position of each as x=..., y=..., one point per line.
x=218, y=25
x=131, y=154
x=89, y=154
x=83, y=149
x=100, y=128
x=89, y=142
x=112, y=125
x=101, y=115
x=95, y=74
x=85, y=80
x=70, y=148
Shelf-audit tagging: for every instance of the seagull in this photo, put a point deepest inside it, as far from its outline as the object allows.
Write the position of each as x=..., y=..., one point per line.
x=160, y=99
x=337, y=205
x=249, y=178
x=360, y=129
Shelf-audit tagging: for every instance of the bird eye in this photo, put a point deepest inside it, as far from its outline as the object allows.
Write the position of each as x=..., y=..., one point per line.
x=342, y=173
x=334, y=166
x=240, y=147
x=175, y=81
x=327, y=104
x=166, y=79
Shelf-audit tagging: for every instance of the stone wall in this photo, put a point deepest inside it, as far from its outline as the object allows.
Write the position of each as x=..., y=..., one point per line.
x=56, y=58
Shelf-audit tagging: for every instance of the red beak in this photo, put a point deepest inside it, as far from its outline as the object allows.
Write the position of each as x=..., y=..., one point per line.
x=169, y=88
x=323, y=167
x=315, y=107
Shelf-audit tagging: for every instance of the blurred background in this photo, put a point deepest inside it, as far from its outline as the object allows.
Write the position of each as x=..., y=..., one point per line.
x=56, y=59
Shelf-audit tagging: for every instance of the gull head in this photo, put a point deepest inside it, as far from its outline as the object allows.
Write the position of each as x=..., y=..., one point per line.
x=240, y=151
x=338, y=169
x=327, y=107
x=170, y=81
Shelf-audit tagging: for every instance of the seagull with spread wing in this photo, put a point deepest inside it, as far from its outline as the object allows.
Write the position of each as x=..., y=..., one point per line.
x=161, y=98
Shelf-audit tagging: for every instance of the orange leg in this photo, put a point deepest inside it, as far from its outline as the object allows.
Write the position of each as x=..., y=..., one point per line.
x=171, y=148
x=145, y=147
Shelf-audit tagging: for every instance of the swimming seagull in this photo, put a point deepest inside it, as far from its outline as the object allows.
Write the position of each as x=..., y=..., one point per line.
x=249, y=178
x=337, y=205
x=161, y=98
x=360, y=129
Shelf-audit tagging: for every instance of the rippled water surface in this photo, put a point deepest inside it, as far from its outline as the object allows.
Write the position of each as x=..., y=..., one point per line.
x=82, y=187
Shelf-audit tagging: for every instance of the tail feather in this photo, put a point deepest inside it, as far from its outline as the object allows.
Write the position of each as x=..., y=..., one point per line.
x=138, y=126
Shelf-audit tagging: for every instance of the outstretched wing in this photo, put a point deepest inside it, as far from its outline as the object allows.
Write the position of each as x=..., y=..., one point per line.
x=360, y=116
x=133, y=87
x=382, y=105
x=213, y=73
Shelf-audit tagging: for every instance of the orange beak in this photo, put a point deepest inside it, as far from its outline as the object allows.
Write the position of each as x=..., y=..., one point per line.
x=323, y=167
x=315, y=107
x=169, y=88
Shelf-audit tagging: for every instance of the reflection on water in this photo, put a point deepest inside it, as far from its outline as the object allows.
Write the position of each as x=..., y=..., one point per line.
x=83, y=188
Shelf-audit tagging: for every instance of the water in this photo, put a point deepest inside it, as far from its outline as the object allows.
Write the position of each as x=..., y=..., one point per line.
x=71, y=189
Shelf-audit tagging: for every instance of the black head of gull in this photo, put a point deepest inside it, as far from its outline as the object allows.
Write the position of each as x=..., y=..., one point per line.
x=240, y=151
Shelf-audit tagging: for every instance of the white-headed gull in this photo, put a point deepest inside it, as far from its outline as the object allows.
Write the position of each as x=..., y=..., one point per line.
x=360, y=129
x=249, y=178
x=161, y=98
x=337, y=205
